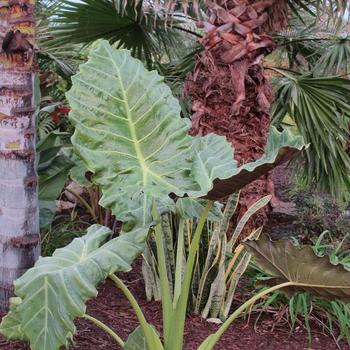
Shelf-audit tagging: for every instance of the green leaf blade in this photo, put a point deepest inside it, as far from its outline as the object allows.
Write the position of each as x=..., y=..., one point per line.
x=55, y=291
x=302, y=267
x=130, y=135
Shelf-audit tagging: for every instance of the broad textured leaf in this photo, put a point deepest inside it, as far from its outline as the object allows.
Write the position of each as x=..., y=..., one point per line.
x=47, y=212
x=136, y=340
x=299, y=265
x=53, y=169
x=78, y=172
x=11, y=326
x=130, y=135
x=189, y=208
x=54, y=292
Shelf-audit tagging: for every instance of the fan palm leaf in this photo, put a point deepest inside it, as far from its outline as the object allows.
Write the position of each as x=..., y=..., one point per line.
x=322, y=45
x=335, y=6
x=320, y=108
x=147, y=31
x=335, y=57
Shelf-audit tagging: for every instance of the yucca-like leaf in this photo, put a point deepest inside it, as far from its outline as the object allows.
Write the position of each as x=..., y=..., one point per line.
x=130, y=135
x=220, y=275
x=302, y=268
x=53, y=293
x=253, y=209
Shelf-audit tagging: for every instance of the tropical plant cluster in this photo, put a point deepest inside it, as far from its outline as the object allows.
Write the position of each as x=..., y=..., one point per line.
x=157, y=132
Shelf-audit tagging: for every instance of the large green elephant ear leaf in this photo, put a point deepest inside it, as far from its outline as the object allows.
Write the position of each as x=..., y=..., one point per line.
x=130, y=135
x=53, y=293
x=305, y=271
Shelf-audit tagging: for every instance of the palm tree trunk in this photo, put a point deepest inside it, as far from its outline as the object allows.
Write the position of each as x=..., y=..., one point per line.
x=230, y=93
x=19, y=215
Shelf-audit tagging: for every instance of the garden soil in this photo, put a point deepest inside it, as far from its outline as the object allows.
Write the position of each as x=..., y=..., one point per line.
x=112, y=308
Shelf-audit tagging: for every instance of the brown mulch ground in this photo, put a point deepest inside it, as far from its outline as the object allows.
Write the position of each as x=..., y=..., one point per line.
x=112, y=308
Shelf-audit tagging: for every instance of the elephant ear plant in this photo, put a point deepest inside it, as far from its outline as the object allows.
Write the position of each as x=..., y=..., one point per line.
x=131, y=137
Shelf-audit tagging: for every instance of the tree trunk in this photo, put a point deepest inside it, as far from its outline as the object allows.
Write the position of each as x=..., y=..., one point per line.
x=230, y=93
x=19, y=214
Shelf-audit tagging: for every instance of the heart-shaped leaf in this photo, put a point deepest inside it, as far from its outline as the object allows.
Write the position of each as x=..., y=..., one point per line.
x=299, y=265
x=130, y=135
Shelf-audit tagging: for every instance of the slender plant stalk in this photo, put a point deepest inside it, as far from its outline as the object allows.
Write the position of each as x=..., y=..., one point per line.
x=211, y=341
x=99, y=208
x=93, y=201
x=179, y=261
x=108, y=216
x=175, y=342
x=106, y=329
x=167, y=304
x=152, y=339
x=83, y=202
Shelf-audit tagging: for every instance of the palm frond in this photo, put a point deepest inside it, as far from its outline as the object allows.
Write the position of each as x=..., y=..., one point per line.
x=313, y=6
x=175, y=73
x=335, y=57
x=147, y=31
x=320, y=108
x=299, y=43
x=319, y=44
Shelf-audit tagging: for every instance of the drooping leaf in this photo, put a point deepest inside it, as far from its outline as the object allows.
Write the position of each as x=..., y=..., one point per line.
x=55, y=291
x=281, y=147
x=299, y=265
x=53, y=178
x=130, y=135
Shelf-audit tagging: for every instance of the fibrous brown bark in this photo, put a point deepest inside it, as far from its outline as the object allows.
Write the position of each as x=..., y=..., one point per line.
x=230, y=93
x=19, y=218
